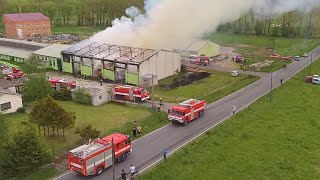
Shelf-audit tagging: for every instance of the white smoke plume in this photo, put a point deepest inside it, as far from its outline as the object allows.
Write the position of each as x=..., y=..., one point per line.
x=169, y=24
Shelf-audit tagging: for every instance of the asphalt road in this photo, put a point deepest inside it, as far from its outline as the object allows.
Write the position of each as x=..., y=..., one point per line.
x=147, y=151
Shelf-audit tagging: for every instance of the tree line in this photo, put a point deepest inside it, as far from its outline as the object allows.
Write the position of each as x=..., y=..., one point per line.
x=290, y=24
x=73, y=12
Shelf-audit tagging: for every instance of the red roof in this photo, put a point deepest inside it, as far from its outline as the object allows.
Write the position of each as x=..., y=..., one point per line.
x=26, y=17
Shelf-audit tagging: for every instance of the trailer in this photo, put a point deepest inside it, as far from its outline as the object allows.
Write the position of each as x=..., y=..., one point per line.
x=94, y=157
x=187, y=111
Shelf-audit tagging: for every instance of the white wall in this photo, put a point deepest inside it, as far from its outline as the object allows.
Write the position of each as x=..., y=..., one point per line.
x=105, y=97
x=163, y=65
x=16, y=102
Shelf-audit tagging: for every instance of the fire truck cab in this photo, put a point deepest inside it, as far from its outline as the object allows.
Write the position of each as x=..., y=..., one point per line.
x=59, y=84
x=94, y=157
x=130, y=93
x=186, y=111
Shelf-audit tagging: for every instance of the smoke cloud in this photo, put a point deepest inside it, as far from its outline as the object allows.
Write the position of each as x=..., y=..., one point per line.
x=168, y=24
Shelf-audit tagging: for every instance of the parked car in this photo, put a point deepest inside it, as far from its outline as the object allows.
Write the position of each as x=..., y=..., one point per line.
x=288, y=58
x=277, y=56
x=234, y=73
x=316, y=81
x=297, y=58
x=305, y=55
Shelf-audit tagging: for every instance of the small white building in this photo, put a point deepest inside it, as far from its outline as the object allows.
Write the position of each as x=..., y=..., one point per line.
x=99, y=96
x=9, y=101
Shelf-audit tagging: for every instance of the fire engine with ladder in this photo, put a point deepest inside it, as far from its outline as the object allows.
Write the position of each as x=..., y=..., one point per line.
x=93, y=158
x=187, y=111
x=129, y=93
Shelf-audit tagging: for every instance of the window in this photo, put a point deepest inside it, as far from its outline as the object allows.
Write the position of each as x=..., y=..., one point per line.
x=100, y=97
x=5, y=106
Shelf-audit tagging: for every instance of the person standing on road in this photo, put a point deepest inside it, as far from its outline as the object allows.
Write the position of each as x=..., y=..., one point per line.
x=123, y=175
x=281, y=80
x=132, y=170
x=233, y=110
x=165, y=153
x=161, y=103
x=101, y=81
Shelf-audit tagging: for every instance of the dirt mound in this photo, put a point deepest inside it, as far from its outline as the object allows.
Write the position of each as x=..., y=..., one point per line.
x=186, y=79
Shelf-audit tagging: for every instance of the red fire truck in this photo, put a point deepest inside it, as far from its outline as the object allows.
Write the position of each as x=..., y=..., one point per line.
x=186, y=111
x=60, y=84
x=129, y=93
x=200, y=60
x=94, y=157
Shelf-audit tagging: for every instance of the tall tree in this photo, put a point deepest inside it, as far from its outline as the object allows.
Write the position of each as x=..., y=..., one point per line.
x=25, y=154
x=50, y=114
x=36, y=87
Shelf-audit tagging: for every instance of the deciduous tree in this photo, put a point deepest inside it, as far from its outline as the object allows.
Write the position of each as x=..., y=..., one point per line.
x=25, y=154
x=36, y=87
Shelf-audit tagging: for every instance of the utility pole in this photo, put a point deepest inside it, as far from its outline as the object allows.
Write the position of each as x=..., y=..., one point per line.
x=271, y=87
x=113, y=175
x=152, y=91
x=310, y=63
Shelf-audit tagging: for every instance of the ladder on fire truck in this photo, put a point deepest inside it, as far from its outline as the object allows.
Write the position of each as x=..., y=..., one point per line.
x=91, y=148
x=189, y=103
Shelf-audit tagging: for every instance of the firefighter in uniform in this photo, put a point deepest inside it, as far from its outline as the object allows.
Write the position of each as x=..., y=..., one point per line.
x=161, y=103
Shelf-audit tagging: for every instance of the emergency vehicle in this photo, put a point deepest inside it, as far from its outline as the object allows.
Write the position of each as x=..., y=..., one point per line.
x=129, y=93
x=199, y=60
x=186, y=111
x=93, y=158
x=60, y=84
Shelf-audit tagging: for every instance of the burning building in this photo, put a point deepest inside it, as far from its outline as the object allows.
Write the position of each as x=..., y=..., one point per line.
x=121, y=64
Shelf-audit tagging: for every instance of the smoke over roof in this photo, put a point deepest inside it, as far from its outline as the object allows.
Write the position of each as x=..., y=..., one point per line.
x=170, y=23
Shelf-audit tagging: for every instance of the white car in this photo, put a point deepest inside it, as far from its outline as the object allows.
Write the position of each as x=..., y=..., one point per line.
x=316, y=81
x=234, y=73
x=297, y=58
x=305, y=55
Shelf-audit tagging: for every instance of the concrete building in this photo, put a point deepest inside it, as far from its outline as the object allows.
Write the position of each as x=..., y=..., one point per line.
x=24, y=25
x=199, y=47
x=9, y=101
x=52, y=55
x=17, y=50
x=120, y=64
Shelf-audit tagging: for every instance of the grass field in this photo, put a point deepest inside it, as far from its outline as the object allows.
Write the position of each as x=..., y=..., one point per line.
x=253, y=48
x=42, y=174
x=268, y=140
x=230, y=39
x=217, y=86
x=105, y=118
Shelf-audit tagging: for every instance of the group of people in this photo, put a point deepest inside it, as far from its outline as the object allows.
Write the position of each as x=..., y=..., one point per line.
x=133, y=170
x=136, y=129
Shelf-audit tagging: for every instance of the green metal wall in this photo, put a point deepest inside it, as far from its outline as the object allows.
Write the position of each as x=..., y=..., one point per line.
x=86, y=70
x=67, y=67
x=108, y=74
x=132, y=78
